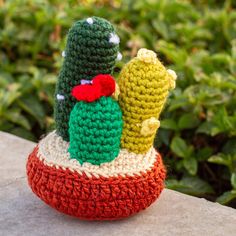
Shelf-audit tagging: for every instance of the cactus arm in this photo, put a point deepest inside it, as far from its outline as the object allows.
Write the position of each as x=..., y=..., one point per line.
x=172, y=79
x=149, y=126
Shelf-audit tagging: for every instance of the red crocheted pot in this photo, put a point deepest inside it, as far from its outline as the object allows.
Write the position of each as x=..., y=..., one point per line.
x=94, y=197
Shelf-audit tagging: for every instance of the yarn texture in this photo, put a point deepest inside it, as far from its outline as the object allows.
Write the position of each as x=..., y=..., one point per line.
x=89, y=52
x=53, y=151
x=94, y=198
x=144, y=84
x=95, y=130
x=101, y=85
x=99, y=163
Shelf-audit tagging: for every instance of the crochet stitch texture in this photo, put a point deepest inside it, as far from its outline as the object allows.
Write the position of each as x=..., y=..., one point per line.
x=89, y=52
x=144, y=83
x=95, y=131
x=95, y=198
x=100, y=163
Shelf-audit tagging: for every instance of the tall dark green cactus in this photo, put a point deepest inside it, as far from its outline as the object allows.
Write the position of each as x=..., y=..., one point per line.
x=92, y=49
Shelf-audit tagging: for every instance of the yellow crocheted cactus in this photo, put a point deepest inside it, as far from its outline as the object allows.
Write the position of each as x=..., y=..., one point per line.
x=144, y=84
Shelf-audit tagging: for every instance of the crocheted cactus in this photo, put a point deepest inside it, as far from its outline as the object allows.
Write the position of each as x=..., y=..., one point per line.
x=144, y=83
x=95, y=124
x=92, y=49
x=100, y=163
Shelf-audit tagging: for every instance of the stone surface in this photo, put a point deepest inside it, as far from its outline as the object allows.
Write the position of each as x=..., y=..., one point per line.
x=22, y=213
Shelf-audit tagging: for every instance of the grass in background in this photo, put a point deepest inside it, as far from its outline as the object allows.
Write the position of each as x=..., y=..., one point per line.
x=195, y=38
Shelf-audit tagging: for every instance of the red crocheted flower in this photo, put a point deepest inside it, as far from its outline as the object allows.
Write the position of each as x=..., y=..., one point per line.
x=101, y=85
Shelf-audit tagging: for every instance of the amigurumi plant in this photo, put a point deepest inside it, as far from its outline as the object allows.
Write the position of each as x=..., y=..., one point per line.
x=100, y=163
x=144, y=83
x=92, y=49
x=95, y=124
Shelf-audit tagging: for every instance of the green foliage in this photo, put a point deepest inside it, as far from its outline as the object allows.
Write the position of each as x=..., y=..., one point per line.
x=191, y=185
x=195, y=38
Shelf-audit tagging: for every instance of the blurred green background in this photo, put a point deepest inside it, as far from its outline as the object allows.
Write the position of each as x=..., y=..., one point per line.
x=195, y=38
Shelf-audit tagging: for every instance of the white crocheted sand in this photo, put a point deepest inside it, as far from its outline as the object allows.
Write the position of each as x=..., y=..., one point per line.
x=52, y=150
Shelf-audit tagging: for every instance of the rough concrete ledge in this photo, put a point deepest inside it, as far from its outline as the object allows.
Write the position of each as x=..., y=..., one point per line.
x=21, y=213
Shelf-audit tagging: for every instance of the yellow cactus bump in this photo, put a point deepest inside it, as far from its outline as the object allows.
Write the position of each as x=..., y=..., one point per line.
x=149, y=126
x=144, y=83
